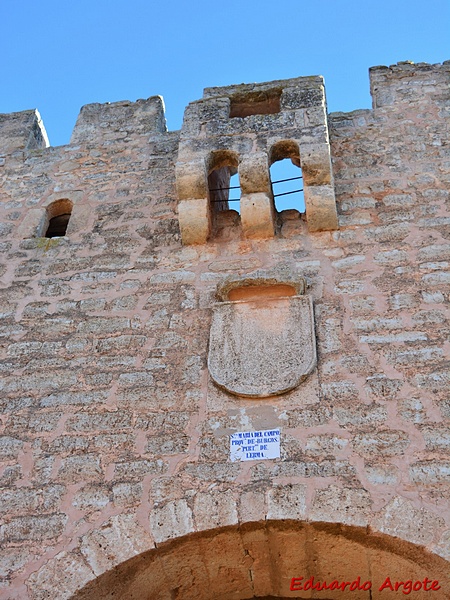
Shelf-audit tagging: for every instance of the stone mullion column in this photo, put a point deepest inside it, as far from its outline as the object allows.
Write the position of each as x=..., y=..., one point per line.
x=257, y=208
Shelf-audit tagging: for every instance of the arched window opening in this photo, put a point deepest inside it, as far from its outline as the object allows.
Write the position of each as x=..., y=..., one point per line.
x=286, y=177
x=224, y=189
x=58, y=216
x=224, y=194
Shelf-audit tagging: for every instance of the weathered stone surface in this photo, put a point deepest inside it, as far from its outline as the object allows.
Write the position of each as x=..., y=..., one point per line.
x=344, y=505
x=172, y=520
x=286, y=502
x=59, y=578
x=117, y=540
x=263, y=347
x=119, y=120
x=33, y=528
x=401, y=519
x=257, y=215
x=215, y=510
x=113, y=436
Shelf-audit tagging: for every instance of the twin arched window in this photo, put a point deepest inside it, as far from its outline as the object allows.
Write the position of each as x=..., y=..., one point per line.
x=285, y=175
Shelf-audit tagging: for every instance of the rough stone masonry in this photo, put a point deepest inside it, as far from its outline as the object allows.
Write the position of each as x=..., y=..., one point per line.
x=116, y=478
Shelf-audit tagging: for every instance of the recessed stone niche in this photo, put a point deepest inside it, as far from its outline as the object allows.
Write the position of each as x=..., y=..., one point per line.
x=262, y=340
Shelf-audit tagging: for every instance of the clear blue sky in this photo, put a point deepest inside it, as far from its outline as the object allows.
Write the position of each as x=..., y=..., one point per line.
x=58, y=55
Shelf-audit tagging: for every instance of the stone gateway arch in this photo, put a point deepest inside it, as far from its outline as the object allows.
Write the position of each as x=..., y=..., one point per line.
x=146, y=326
x=258, y=560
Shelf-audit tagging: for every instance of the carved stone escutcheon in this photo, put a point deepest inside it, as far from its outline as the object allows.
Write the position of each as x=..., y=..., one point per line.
x=262, y=340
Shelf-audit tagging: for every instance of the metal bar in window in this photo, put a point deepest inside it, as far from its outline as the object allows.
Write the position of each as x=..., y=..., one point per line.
x=290, y=179
x=286, y=193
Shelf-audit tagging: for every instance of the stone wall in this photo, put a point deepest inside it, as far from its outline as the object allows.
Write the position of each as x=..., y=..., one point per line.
x=113, y=436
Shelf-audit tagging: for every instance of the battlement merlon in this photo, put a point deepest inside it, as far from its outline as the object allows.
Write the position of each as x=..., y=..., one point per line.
x=99, y=123
x=96, y=123
x=22, y=131
x=407, y=82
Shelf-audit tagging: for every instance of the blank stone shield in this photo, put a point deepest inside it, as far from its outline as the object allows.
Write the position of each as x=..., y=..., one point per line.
x=262, y=347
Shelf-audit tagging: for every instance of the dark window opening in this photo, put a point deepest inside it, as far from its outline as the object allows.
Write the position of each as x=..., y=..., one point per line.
x=255, y=103
x=58, y=216
x=57, y=226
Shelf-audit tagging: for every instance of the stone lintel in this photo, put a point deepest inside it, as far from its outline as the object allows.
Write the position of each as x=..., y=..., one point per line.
x=244, y=88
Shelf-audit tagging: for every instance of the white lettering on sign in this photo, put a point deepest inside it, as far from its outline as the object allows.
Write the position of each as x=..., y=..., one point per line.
x=255, y=445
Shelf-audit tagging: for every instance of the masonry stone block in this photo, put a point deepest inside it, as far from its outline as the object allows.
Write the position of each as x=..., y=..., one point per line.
x=215, y=509
x=117, y=540
x=320, y=208
x=59, y=578
x=341, y=505
x=32, y=223
x=257, y=215
x=316, y=164
x=195, y=220
x=172, y=520
x=254, y=173
x=192, y=179
x=402, y=519
x=286, y=502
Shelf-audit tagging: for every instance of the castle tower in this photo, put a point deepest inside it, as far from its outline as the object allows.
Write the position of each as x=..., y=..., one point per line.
x=199, y=402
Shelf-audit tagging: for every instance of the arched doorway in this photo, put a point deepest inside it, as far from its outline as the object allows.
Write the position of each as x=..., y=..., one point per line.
x=266, y=560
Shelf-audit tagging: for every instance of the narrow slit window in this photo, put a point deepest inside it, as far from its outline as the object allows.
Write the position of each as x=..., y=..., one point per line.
x=287, y=185
x=58, y=216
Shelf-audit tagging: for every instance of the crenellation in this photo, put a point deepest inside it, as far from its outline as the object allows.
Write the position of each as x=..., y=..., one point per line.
x=407, y=82
x=22, y=131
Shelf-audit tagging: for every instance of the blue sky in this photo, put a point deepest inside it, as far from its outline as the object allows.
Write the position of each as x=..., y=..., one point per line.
x=57, y=56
